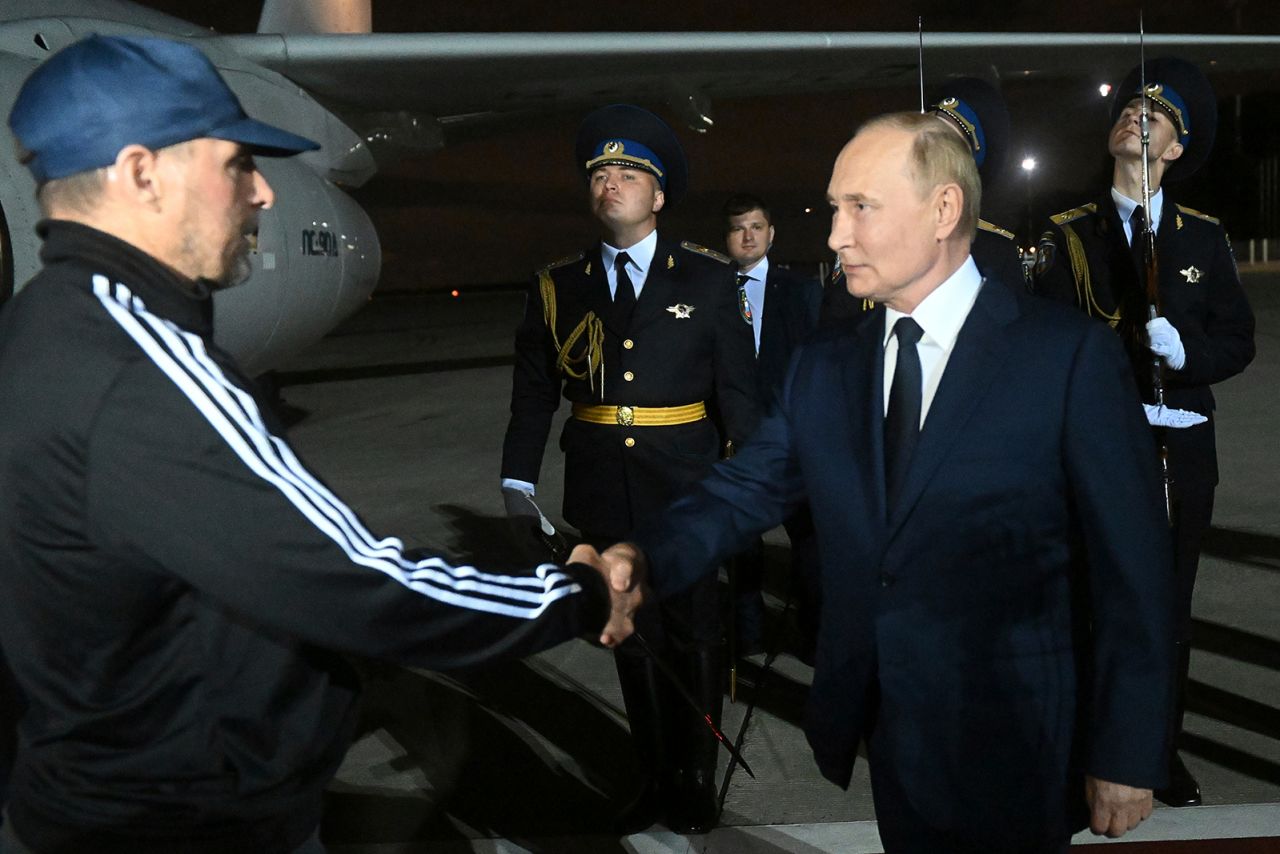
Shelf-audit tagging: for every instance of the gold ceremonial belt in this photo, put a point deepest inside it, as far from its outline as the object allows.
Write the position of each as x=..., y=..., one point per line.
x=640, y=416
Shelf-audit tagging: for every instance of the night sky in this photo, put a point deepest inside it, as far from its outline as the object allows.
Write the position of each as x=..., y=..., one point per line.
x=492, y=210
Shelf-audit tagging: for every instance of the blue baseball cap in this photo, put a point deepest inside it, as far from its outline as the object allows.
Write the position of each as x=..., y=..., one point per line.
x=91, y=99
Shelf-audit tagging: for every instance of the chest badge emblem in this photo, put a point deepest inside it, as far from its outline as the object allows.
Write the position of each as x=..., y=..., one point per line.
x=1192, y=274
x=681, y=311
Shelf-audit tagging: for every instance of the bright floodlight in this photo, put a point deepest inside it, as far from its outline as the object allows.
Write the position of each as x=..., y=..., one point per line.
x=1104, y=90
x=1029, y=164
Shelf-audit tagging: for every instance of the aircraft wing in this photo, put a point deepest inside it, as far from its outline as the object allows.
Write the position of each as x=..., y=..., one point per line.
x=454, y=77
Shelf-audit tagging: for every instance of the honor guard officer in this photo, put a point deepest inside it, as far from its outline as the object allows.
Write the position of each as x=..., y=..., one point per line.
x=640, y=333
x=1091, y=257
x=976, y=110
x=783, y=310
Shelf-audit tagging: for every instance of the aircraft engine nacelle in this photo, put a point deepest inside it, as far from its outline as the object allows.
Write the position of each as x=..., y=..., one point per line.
x=317, y=256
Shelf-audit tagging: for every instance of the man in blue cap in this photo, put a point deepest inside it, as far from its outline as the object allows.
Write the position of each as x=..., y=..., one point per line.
x=642, y=335
x=176, y=587
x=975, y=110
x=1091, y=257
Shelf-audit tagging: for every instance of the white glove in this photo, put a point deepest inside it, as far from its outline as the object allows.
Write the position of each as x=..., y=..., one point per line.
x=522, y=510
x=1165, y=341
x=1163, y=416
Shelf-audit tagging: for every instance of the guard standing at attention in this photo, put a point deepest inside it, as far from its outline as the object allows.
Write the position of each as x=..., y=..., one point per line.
x=1091, y=257
x=640, y=333
x=976, y=110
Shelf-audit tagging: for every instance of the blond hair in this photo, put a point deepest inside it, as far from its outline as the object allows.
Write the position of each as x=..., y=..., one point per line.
x=938, y=156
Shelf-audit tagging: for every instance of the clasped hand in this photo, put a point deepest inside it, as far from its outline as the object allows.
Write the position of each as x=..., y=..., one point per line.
x=624, y=569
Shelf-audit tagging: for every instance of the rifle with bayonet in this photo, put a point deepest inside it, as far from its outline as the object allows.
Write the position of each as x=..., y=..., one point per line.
x=1151, y=267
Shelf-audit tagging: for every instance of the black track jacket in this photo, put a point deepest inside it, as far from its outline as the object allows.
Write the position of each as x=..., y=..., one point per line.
x=175, y=583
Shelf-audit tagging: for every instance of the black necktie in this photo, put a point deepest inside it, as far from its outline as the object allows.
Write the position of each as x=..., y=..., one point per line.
x=624, y=293
x=902, y=422
x=743, y=278
x=1138, y=226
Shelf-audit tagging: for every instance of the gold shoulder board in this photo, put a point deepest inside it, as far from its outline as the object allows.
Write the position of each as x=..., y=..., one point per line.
x=1074, y=214
x=1195, y=213
x=995, y=229
x=709, y=253
x=563, y=262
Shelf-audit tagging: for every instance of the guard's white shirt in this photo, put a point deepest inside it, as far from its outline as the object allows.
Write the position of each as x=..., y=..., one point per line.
x=641, y=255
x=1125, y=206
x=754, y=284
x=940, y=315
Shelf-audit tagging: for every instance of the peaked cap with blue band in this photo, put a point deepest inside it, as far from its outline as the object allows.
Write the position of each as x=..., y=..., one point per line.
x=623, y=135
x=84, y=104
x=1184, y=94
x=978, y=109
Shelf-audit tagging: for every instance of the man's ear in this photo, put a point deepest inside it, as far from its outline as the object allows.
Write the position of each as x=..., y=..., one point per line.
x=770, y=243
x=135, y=176
x=948, y=206
x=1172, y=153
x=659, y=199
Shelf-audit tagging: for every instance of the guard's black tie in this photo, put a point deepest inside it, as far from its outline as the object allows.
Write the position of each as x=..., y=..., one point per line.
x=624, y=294
x=902, y=422
x=743, y=278
x=1138, y=226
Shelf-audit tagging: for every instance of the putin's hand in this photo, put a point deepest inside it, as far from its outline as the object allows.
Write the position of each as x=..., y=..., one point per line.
x=1114, y=808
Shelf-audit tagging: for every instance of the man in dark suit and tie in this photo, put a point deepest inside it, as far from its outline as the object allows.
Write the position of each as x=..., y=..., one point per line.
x=640, y=333
x=986, y=500
x=782, y=308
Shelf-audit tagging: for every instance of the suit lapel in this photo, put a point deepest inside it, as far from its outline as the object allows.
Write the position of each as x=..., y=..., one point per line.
x=660, y=288
x=595, y=291
x=979, y=351
x=864, y=391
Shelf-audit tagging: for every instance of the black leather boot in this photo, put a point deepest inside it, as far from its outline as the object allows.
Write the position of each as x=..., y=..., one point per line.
x=696, y=807
x=644, y=697
x=1183, y=790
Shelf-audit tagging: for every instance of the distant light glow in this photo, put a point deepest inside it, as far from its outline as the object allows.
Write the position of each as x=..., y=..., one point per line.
x=1104, y=90
x=1028, y=164
x=808, y=210
x=454, y=292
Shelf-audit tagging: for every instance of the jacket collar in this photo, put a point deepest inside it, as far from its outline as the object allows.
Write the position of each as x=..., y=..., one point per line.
x=186, y=302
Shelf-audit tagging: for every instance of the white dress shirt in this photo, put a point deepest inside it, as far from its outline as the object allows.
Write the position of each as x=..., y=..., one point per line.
x=940, y=315
x=1125, y=206
x=641, y=255
x=756, y=277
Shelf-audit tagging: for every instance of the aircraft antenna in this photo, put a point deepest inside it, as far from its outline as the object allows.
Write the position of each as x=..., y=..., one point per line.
x=920, y=57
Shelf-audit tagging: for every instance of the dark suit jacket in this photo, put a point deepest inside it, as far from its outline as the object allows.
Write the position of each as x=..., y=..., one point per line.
x=1211, y=313
x=672, y=360
x=791, y=304
x=963, y=625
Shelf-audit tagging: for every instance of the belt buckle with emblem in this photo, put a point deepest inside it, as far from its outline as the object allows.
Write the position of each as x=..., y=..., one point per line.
x=626, y=416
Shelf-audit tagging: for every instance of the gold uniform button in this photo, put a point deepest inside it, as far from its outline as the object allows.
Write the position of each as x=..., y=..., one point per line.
x=629, y=442
x=628, y=344
x=628, y=376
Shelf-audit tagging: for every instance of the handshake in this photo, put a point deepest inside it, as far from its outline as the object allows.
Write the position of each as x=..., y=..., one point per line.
x=623, y=566
x=624, y=569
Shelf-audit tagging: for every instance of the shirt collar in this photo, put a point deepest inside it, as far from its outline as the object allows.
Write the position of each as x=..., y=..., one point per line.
x=1125, y=206
x=641, y=254
x=760, y=272
x=943, y=312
